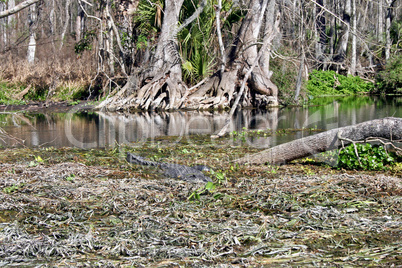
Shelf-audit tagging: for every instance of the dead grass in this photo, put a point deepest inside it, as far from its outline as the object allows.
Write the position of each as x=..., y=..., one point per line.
x=75, y=214
x=50, y=76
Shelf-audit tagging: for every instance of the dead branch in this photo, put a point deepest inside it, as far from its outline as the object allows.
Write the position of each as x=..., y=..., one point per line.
x=17, y=8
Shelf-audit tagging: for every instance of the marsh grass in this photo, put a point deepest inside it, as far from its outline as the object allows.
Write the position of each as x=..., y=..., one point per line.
x=114, y=214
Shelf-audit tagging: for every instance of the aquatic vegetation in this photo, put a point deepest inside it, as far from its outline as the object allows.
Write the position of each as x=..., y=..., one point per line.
x=90, y=207
x=364, y=156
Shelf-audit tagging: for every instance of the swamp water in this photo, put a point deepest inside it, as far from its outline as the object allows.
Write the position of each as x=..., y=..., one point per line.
x=88, y=130
x=82, y=208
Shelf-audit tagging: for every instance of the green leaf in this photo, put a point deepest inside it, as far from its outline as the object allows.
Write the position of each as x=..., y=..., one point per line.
x=210, y=186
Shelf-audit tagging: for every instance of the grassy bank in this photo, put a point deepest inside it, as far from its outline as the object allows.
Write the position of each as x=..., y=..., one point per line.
x=68, y=207
x=56, y=79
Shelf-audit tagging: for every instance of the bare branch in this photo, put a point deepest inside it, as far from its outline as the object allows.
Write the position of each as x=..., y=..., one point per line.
x=17, y=8
x=191, y=18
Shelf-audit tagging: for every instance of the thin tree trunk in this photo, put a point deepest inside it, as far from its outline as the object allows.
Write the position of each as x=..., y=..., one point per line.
x=32, y=39
x=380, y=29
x=299, y=77
x=3, y=28
x=52, y=20
x=218, y=30
x=346, y=18
x=332, y=35
x=343, y=44
x=109, y=41
x=67, y=19
x=79, y=23
x=388, y=128
x=269, y=34
x=114, y=31
x=352, y=69
x=10, y=19
x=320, y=24
x=388, y=22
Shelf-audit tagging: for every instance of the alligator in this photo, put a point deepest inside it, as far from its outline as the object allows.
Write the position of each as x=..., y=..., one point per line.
x=175, y=171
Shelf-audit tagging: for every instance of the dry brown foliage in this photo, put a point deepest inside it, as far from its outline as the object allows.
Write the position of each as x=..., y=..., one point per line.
x=51, y=72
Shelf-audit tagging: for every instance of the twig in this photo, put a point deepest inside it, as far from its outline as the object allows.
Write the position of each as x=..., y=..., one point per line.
x=189, y=20
x=351, y=141
x=5, y=135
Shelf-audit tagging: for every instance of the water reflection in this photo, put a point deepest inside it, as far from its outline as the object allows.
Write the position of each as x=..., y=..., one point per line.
x=99, y=130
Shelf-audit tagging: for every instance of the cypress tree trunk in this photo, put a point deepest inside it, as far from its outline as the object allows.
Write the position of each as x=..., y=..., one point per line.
x=161, y=86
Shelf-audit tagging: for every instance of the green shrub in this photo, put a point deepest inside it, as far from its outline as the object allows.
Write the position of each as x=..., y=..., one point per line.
x=331, y=83
x=353, y=85
x=372, y=157
x=390, y=80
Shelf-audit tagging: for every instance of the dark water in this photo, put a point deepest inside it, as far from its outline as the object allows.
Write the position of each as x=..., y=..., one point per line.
x=99, y=130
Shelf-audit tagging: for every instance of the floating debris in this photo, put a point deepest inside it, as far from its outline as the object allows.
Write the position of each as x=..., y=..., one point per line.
x=93, y=209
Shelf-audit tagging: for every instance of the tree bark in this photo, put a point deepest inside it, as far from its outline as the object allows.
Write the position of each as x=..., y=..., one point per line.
x=270, y=32
x=17, y=8
x=353, y=63
x=344, y=39
x=388, y=21
x=218, y=9
x=63, y=34
x=388, y=128
x=380, y=29
x=79, y=25
x=320, y=24
x=248, y=50
x=32, y=38
x=220, y=91
x=299, y=78
x=162, y=86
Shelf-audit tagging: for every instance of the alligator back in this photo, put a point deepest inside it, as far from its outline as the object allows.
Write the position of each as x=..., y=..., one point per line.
x=176, y=171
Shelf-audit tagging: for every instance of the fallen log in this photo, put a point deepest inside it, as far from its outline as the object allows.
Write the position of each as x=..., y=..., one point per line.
x=389, y=128
x=21, y=95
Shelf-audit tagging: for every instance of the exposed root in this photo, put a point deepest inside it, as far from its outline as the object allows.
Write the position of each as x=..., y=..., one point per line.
x=216, y=92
